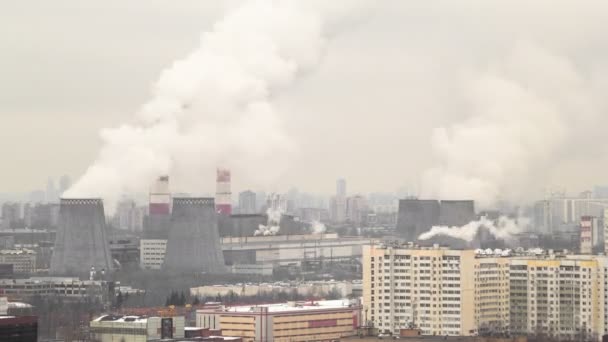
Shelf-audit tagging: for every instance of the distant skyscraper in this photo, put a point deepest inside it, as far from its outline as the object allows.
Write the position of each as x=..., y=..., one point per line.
x=355, y=208
x=588, y=226
x=223, y=195
x=64, y=183
x=51, y=191
x=247, y=202
x=337, y=204
x=341, y=187
x=337, y=209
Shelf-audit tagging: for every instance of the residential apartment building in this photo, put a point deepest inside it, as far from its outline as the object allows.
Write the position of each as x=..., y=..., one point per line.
x=466, y=292
x=560, y=297
x=152, y=253
x=492, y=298
x=432, y=289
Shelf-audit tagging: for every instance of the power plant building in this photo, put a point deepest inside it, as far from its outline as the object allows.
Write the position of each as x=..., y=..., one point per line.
x=81, y=241
x=194, y=242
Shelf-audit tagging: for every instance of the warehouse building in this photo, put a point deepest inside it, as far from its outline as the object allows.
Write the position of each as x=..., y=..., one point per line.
x=293, y=321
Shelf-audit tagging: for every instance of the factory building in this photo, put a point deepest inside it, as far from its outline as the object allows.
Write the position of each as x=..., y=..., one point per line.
x=64, y=287
x=307, y=289
x=272, y=250
x=110, y=328
x=194, y=242
x=293, y=321
x=81, y=241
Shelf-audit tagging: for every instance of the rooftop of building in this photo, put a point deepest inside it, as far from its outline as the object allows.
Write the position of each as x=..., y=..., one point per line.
x=17, y=251
x=121, y=319
x=293, y=306
x=49, y=280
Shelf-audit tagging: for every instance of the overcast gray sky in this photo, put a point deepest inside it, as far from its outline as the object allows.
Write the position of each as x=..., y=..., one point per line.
x=69, y=68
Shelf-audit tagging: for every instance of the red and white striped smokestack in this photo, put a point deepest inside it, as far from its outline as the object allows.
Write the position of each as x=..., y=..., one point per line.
x=223, y=196
x=160, y=197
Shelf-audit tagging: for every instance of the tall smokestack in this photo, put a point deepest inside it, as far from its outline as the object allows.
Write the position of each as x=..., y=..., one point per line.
x=81, y=241
x=160, y=197
x=194, y=242
x=223, y=196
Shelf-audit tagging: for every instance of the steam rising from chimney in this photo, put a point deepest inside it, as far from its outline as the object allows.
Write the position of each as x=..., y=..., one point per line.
x=214, y=107
x=503, y=229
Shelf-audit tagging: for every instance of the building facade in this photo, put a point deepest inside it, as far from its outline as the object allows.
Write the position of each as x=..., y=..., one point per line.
x=152, y=253
x=23, y=260
x=110, y=328
x=466, y=292
x=247, y=202
x=293, y=321
x=427, y=288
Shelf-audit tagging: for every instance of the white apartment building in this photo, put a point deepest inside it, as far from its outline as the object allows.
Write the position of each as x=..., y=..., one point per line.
x=459, y=292
x=558, y=296
x=431, y=289
x=152, y=253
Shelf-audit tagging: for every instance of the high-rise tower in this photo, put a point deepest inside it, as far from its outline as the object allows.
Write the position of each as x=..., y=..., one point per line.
x=81, y=241
x=194, y=242
x=223, y=196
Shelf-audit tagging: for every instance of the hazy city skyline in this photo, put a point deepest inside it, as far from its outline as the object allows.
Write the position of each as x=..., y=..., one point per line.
x=370, y=108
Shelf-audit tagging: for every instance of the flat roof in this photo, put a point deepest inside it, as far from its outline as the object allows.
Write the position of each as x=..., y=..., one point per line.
x=293, y=306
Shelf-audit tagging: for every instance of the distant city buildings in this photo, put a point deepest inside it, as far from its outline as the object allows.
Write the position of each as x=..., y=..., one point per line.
x=129, y=216
x=247, y=202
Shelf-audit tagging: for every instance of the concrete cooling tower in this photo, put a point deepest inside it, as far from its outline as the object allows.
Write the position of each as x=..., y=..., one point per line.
x=194, y=242
x=81, y=240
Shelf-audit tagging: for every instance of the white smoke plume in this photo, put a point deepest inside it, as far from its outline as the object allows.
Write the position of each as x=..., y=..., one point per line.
x=214, y=106
x=273, y=226
x=523, y=111
x=503, y=229
x=317, y=227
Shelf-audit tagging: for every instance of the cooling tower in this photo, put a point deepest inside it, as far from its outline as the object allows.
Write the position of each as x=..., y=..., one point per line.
x=194, y=243
x=81, y=240
x=416, y=217
x=456, y=213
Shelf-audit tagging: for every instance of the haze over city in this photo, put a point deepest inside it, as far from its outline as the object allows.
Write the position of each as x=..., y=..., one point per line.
x=386, y=84
x=303, y=170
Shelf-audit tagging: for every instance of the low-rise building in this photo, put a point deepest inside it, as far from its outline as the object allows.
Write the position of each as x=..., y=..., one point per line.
x=64, y=287
x=23, y=260
x=109, y=328
x=293, y=321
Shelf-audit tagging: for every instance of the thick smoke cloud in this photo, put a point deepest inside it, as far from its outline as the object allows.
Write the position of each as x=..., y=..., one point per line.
x=214, y=107
x=523, y=111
